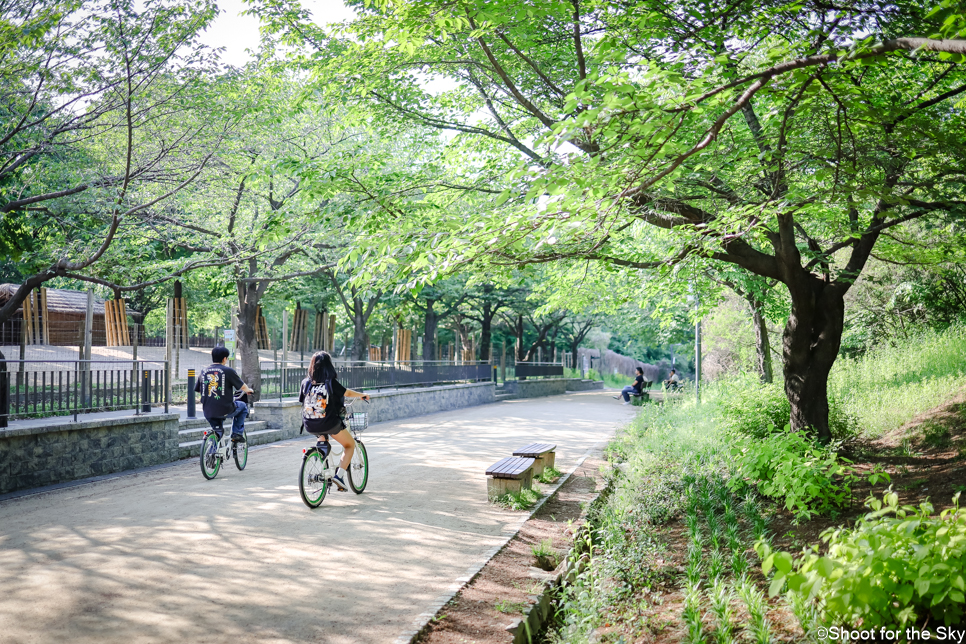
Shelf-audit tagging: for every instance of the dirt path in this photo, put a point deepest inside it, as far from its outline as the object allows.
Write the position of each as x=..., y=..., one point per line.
x=169, y=557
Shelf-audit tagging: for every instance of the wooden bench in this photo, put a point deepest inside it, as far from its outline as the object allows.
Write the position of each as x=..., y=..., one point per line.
x=542, y=453
x=511, y=474
x=639, y=399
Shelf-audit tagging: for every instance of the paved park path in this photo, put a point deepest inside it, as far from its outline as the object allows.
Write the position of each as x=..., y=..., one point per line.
x=165, y=556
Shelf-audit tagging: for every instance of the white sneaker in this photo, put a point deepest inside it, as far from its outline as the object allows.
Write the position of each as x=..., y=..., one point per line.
x=626, y=403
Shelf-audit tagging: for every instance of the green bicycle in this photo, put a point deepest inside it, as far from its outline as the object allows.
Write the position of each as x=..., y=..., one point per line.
x=318, y=468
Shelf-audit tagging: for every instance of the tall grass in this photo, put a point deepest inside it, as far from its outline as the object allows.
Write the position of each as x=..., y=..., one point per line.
x=890, y=385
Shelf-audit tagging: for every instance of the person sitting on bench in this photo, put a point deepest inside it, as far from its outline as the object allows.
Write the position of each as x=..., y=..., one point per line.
x=635, y=389
x=672, y=382
x=217, y=386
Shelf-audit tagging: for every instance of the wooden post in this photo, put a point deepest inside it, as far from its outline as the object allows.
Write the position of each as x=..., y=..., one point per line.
x=177, y=350
x=109, y=324
x=330, y=341
x=88, y=339
x=125, y=334
x=168, y=342
x=44, y=320
x=503, y=362
x=284, y=370
x=135, y=372
x=234, y=332
x=23, y=354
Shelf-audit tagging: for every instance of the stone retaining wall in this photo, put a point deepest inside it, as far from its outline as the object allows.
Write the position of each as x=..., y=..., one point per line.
x=286, y=415
x=62, y=451
x=537, y=388
x=576, y=384
x=406, y=403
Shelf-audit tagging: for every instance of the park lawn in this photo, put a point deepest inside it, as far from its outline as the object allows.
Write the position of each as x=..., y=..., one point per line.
x=674, y=557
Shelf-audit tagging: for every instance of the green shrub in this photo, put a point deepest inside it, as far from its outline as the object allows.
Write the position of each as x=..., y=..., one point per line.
x=899, y=566
x=747, y=406
x=808, y=479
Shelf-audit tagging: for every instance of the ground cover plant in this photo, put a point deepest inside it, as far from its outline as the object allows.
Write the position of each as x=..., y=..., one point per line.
x=549, y=475
x=522, y=500
x=899, y=566
x=706, y=507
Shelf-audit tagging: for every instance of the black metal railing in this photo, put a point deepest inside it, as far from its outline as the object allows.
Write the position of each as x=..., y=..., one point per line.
x=281, y=379
x=39, y=388
x=537, y=370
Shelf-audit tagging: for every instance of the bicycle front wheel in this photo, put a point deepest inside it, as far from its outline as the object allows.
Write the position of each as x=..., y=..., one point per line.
x=359, y=469
x=312, y=482
x=241, y=453
x=210, y=463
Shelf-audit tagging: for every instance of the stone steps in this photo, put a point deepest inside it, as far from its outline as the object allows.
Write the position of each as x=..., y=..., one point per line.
x=259, y=437
x=191, y=435
x=501, y=392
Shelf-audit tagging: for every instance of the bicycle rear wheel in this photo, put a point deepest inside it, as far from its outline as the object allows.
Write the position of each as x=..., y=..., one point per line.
x=210, y=463
x=312, y=482
x=241, y=453
x=359, y=468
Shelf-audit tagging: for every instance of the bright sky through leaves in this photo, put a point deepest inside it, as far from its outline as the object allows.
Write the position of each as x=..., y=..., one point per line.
x=238, y=33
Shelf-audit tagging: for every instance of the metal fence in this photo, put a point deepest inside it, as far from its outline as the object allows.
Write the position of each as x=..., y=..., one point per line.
x=39, y=388
x=281, y=379
x=537, y=370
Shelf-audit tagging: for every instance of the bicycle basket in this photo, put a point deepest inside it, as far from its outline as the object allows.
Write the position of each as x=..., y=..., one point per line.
x=358, y=421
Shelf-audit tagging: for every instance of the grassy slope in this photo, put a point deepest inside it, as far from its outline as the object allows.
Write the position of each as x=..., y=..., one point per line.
x=891, y=385
x=667, y=446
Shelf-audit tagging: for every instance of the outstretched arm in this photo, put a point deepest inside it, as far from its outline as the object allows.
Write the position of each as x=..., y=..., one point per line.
x=356, y=394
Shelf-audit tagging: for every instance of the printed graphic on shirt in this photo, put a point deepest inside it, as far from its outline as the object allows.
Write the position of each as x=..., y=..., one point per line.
x=315, y=403
x=212, y=385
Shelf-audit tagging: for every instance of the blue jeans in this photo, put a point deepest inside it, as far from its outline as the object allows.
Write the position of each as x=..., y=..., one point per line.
x=237, y=420
x=628, y=390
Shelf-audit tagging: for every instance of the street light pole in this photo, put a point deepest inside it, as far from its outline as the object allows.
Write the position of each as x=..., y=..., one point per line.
x=697, y=354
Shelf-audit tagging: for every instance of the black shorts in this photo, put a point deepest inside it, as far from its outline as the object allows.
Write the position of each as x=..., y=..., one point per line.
x=324, y=430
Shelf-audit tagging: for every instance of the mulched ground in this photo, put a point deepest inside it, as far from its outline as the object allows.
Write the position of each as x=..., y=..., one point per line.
x=482, y=611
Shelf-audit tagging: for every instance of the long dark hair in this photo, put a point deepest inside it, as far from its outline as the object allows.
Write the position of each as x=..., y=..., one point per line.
x=321, y=367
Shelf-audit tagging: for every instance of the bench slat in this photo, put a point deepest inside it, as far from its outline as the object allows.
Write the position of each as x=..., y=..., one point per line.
x=534, y=450
x=509, y=468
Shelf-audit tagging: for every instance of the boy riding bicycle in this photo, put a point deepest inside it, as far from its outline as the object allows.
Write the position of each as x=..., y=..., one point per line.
x=217, y=385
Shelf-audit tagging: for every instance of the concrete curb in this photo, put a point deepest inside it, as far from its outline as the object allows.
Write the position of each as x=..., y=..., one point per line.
x=423, y=620
x=541, y=607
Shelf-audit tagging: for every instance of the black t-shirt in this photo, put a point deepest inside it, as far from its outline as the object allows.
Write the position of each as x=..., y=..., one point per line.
x=639, y=383
x=322, y=405
x=217, y=385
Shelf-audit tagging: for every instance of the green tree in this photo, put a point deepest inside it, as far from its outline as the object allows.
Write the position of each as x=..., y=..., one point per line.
x=98, y=124
x=780, y=139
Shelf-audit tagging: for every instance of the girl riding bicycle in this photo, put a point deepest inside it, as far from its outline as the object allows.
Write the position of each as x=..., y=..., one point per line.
x=323, y=408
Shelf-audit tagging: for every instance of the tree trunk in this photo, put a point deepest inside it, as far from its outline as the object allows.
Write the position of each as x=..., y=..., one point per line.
x=486, y=334
x=246, y=344
x=762, y=342
x=429, y=331
x=810, y=345
x=360, y=350
x=573, y=354
x=521, y=356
